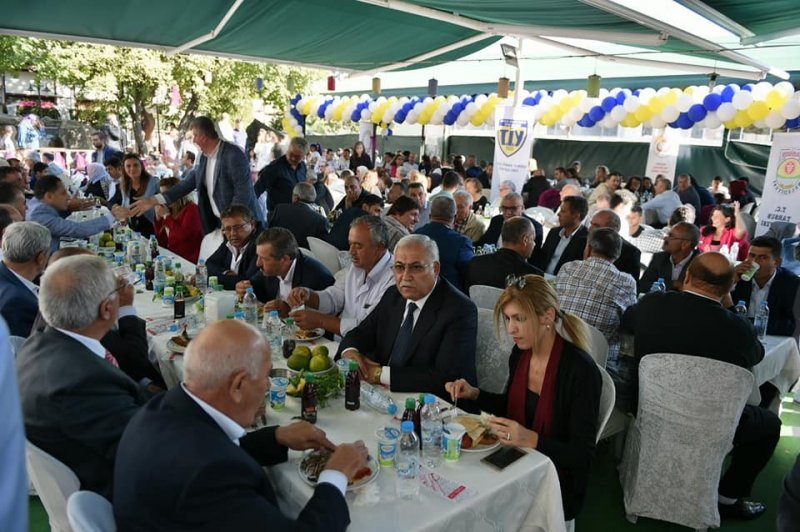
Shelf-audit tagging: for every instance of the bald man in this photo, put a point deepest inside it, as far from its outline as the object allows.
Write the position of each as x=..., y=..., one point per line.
x=694, y=322
x=187, y=463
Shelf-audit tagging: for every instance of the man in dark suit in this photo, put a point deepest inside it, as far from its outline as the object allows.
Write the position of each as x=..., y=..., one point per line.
x=26, y=247
x=283, y=267
x=235, y=259
x=455, y=249
x=75, y=400
x=771, y=283
x=510, y=206
x=630, y=260
x=354, y=194
x=185, y=462
x=422, y=334
x=280, y=176
x=693, y=322
x=298, y=216
x=567, y=243
x=680, y=249
x=372, y=204
x=519, y=239
x=221, y=178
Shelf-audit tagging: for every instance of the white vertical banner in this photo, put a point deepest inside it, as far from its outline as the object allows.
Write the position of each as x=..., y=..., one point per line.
x=365, y=135
x=512, y=146
x=662, y=158
x=780, y=200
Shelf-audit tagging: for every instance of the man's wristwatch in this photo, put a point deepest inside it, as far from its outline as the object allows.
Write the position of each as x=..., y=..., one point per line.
x=376, y=375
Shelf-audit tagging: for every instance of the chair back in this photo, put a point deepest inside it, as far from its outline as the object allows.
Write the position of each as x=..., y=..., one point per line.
x=90, y=512
x=484, y=296
x=326, y=253
x=607, y=400
x=749, y=223
x=210, y=243
x=543, y=215
x=54, y=482
x=491, y=354
x=307, y=253
x=598, y=346
x=16, y=342
x=689, y=408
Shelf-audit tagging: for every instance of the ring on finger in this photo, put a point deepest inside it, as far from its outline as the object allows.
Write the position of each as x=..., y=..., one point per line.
x=508, y=436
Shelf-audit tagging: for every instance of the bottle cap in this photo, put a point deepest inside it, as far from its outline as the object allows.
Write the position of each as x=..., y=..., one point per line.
x=310, y=378
x=289, y=321
x=249, y=289
x=407, y=426
x=353, y=365
x=273, y=312
x=430, y=399
x=411, y=403
x=741, y=302
x=392, y=409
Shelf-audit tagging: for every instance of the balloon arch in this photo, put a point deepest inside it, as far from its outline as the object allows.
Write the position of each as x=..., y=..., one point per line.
x=762, y=105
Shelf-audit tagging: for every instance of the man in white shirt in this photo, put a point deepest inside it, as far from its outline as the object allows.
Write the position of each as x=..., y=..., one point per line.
x=664, y=203
x=344, y=305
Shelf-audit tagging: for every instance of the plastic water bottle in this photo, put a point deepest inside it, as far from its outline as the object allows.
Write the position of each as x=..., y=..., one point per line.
x=431, y=432
x=250, y=307
x=734, y=256
x=372, y=396
x=407, y=462
x=762, y=320
x=725, y=250
x=159, y=276
x=659, y=286
x=274, y=332
x=201, y=276
x=740, y=309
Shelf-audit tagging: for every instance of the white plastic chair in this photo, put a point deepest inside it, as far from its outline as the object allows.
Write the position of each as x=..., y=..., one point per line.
x=598, y=346
x=326, y=253
x=607, y=400
x=543, y=215
x=673, y=455
x=210, y=243
x=484, y=296
x=16, y=342
x=308, y=253
x=54, y=482
x=90, y=512
x=491, y=354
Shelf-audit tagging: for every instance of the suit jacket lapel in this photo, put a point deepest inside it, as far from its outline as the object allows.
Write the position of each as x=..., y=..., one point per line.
x=299, y=268
x=395, y=315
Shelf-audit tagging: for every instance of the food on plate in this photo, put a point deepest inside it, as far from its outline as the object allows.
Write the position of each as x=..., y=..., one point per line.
x=313, y=463
x=478, y=432
x=303, y=334
x=182, y=339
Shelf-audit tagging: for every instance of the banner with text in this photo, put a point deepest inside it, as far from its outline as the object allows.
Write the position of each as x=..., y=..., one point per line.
x=663, y=154
x=781, y=198
x=512, y=147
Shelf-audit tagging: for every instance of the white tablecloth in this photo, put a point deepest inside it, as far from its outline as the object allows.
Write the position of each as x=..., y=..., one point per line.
x=780, y=367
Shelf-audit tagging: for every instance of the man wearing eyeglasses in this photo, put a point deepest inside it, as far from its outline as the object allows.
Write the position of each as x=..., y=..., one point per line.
x=76, y=402
x=680, y=248
x=510, y=206
x=235, y=259
x=423, y=332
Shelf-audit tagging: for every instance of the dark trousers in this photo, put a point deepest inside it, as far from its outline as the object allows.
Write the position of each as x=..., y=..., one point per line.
x=753, y=444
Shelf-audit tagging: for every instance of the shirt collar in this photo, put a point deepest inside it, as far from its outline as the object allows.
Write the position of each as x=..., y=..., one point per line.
x=681, y=263
x=290, y=273
x=29, y=285
x=233, y=251
x=377, y=271
x=232, y=429
x=90, y=343
x=768, y=284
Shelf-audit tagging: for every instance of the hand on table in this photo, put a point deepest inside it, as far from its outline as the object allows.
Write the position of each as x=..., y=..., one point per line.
x=461, y=389
x=308, y=319
x=298, y=296
x=512, y=433
x=140, y=207
x=278, y=304
x=241, y=288
x=348, y=458
x=302, y=435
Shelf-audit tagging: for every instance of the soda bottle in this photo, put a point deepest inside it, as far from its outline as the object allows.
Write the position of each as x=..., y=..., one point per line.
x=352, y=388
x=149, y=275
x=180, y=304
x=178, y=274
x=410, y=413
x=406, y=462
x=308, y=402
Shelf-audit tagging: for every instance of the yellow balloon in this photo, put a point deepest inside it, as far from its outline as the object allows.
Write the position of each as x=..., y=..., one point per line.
x=656, y=105
x=642, y=113
x=730, y=124
x=671, y=97
x=476, y=120
x=742, y=119
x=758, y=110
x=688, y=90
x=775, y=99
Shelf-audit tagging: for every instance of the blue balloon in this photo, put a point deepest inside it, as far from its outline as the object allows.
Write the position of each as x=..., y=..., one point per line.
x=674, y=125
x=356, y=116
x=712, y=101
x=608, y=103
x=596, y=113
x=637, y=92
x=727, y=94
x=748, y=87
x=389, y=132
x=400, y=116
x=696, y=112
x=620, y=97
x=587, y=122
x=457, y=107
x=684, y=122
x=794, y=123
x=537, y=98
x=528, y=101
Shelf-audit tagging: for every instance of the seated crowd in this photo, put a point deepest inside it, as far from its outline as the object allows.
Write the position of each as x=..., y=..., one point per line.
x=91, y=397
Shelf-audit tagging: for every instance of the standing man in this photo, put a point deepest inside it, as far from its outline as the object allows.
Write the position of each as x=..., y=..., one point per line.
x=102, y=151
x=687, y=193
x=679, y=249
x=221, y=178
x=280, y=176
x=112, y=132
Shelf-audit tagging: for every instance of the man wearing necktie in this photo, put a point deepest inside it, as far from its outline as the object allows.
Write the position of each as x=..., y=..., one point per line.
x=76, y=402
x=423, y=331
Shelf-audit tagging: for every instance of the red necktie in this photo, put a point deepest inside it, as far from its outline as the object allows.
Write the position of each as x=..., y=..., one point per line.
x=111, y=359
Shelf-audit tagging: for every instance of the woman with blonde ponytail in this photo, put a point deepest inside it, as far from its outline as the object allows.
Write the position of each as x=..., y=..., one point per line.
x=552, y=398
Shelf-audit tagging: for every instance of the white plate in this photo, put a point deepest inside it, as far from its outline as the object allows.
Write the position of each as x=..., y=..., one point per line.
x=175, y=348
x=318, y=333
x=482, y=448
x=372, y=463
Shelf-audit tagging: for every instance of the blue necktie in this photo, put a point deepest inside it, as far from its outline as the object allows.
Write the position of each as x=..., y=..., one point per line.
x=400, y=350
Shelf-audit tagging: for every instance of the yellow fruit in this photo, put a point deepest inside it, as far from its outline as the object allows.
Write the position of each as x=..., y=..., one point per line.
x=302, y=350
x=110, y=244
x=320, y=350
x=319, y=363
x=297, y=362
x=107, y=237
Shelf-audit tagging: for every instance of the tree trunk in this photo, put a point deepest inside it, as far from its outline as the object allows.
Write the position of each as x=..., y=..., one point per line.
x=134, y=111
x=188, y=116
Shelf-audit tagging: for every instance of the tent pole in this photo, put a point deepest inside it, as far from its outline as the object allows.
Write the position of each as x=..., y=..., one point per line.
x=518, y=80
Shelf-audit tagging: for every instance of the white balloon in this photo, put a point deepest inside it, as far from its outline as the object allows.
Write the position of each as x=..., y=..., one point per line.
x=712, y=121
x=657, y=122
x=603, y=93
x=785, y=88
x=575, y=114
x=523, y=94
x=618, y=113
x=726, y=111
x=718, y=89
x=761, y=90
x=329, y=112
x=380, y=100
x=790, y=109
x=427, y=100
x=537, y=112
x=586, y=104
x=646, y=94
x=560, y=93
x=662, y=91
x=700, y=92
x=760, y=124
x=406, y=99
x=701, y=124
x=294, y=122
x=608, y=122
x=684, y=102
x=670, y=113
x=418, y=107
x=631, y=103
x=366, y=114
x=481, y=99
x=462, y=120
x=546, y=102
x=471, y=109
x=774, y=120
x=372, y=106
x=436, y=119
x=742, y=100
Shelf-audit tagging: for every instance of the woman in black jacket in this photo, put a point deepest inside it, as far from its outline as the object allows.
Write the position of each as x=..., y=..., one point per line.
x=360, y=157
x=552, y=398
